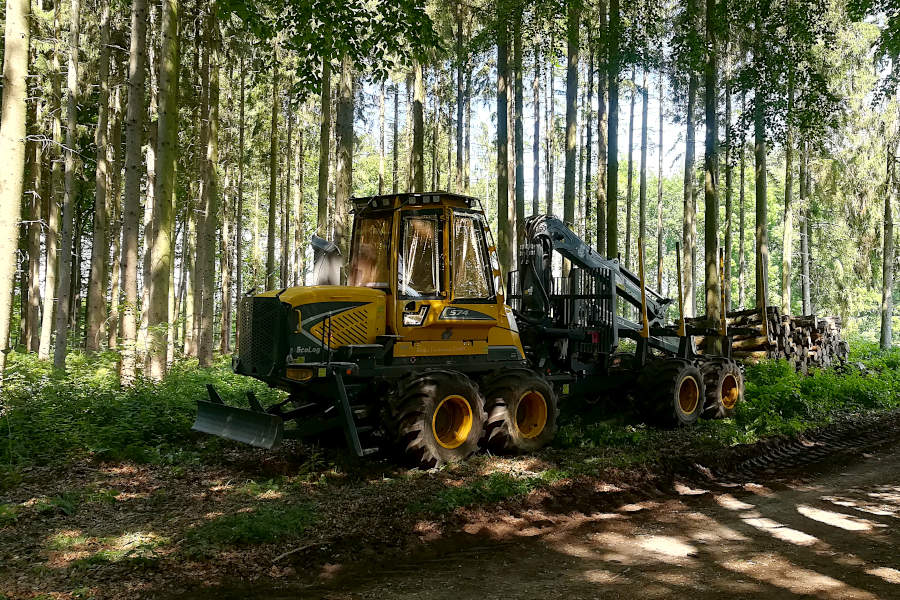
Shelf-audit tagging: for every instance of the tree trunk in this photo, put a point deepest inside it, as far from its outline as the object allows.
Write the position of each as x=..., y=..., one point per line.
x=381, y=138
x=787, y=240
x=713, y=281
x=588, y=233
x=659, y=184
x=689, y=232
x=273, y=180
x=324, y=149
x=629, y=185
x=395, y=142
x=551, y=126
x=573, y=22
x=161, y=252
x=612, y=174
x=460, y=61
x=435, y=120
x=804, y=228
x=887, y=282
x=728, y=179
x=299, y=213
x=286, y=210
x=12, y=149
x=344, y=174
x=468, y=141
x=519, y=132
x=417, y=160
x=536, y=144
x=602, y=78
x=239, y=212
x=115, y=189
x=504, y=237
x=742, y=257
x=32, y=231
x=642, y=185
x=762, y=233
x=132, y=203
x=96, y=301
x=64, y=289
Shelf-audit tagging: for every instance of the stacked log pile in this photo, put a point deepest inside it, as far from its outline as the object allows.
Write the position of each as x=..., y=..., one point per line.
x=805, y=341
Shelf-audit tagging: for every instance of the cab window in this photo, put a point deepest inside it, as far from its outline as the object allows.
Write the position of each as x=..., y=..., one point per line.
x=419, y=264
x=470, y=265
x=370, y=265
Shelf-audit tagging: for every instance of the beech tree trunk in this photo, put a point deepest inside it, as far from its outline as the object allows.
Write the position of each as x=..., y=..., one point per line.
x=64, y=289
x=588, y=233
x=31, y=300
x=762, y=232
x=519, y=132
x=325, y=146
x=642, y=185
x=273, y=181
x=689, y=232
x=132, y=202
x=787, y=239
x=742, y=256
x=12, y=148
x=804, y=228
x=96, y=301
x=711, y=158
x=551, y=127
x=381, y=138
x=602, y=79
x=162, y=249
x=504, y=237
x=115, y=189
x=344, y=174
x=536, y=143
x=460, y=102
x=239, y=212
x=629, y=185
x=887, y=282
x=612, y=174
x=395, y=142
x=659, y=185
x=573, y=22
x=417, y=154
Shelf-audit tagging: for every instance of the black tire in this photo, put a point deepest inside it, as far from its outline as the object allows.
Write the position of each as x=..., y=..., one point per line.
x=522, y=409
x=672, y=392
x=724, y=387
x=439, y=418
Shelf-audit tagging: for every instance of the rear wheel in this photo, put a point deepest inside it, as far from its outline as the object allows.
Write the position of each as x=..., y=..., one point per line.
x=522, y=411
x=724, y=385
x=440, y=418
x=673, y=390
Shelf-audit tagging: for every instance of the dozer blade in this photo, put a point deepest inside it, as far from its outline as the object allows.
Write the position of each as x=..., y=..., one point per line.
x=252, y=427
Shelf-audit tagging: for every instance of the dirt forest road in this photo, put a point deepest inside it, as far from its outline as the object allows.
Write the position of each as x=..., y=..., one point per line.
x=832, y=532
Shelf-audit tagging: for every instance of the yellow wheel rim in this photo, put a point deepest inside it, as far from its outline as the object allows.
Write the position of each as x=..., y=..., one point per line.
x=531, y=414
x=451, y=422
x=731, y=391
x=688, y=395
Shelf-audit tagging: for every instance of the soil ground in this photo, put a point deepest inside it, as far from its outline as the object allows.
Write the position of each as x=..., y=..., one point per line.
x=830, y=532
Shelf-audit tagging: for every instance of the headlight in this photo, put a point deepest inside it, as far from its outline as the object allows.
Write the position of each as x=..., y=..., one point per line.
x=415, y=319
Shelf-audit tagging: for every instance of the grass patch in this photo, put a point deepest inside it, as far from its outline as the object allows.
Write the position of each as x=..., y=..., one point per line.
x=65, y=541
x=491, y=488
x=9, y=514
x=49, y=417
x=136, y=549
x=66, y=503
x=263, y=524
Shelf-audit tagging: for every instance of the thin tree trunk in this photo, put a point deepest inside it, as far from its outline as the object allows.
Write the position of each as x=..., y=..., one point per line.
x=689, y=236
x=343, y=176
x=64, y=289
x=519, y=131
x=713, y=281
x=132, y=202
x=612, y=174
x=887, y=281
x=239, y=213
x=32, y=222
x=804, y=228
x=573, y=22
x=468, y=141
x=728, y=181
x=115, y=189
x=460, y=59
x=287, y=208
x=742, y=257
x=381, y=138
x=96, y=301
x=504, y=236
x=435, y=124
x=324, y=148
x=602, y=79
x=588, y=233
x=642, y=184
x=659, y=184
x=162, y=250
x=299, y=213
x=551, y=127
x=395, y=142
x=417, y=154
x=536, y=144
x=12, y=149
x=787, y=240
x=762, y=233
x=273, y=180
x=629, y=189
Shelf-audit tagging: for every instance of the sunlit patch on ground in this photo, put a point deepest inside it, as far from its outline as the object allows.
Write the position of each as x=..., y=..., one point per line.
x=779, y=572
x=887, y=573
x=837, y=519
x=779, y=530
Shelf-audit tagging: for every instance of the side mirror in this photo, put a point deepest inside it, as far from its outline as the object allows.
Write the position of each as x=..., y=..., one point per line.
x=327, y=262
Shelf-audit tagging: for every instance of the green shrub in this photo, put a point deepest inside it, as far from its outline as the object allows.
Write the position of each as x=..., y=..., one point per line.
x=260, y=525
x=492, y=488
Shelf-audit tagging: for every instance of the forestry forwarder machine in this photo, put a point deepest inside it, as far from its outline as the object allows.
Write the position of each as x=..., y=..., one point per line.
x=423, y=349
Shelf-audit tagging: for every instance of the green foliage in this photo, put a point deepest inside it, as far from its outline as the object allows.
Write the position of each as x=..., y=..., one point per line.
x=66, y=503
x=262, y=524
x=48, y=417
x=8, y=515
x=492, y=488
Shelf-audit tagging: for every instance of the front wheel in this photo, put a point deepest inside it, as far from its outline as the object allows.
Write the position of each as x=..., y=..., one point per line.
x=522, y=411
x=440, y=418
x=673, y=391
